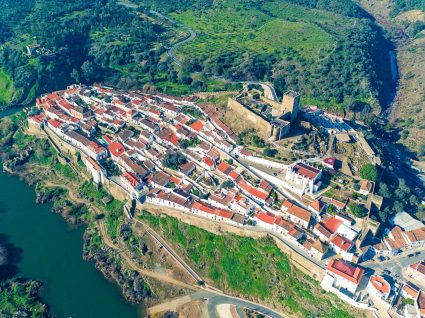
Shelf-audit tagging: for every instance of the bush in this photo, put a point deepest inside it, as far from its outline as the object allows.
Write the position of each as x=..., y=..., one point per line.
x=357, y=210
x=269, y=152
x=369, y=171
x=174, y=160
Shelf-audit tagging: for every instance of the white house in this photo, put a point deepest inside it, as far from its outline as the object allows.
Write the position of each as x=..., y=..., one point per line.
x=304, y=176
x=342, y=275
x=97, y=172
x=379, y=287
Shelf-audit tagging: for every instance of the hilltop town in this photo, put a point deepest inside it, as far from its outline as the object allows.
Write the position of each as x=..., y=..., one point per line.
x=178, y=154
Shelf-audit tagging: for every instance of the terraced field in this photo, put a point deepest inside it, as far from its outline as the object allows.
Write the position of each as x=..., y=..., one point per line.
x=266, y=30
x=330, y=55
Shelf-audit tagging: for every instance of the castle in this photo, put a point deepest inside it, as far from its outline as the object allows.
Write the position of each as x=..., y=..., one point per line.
x=271, y=119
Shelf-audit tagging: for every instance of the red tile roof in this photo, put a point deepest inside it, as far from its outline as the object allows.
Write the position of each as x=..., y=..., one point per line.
x=329, y=161
x=55, y=123
x=346, y=270
x=300, y=213
x=258, y=194
x=265, y=186
x=208, y=162
x=203, y=207
x=411, y=290
x=380, y=284
x=323, y=230
x=332, y=224
x=396, y=239
x=338, y=204
x=266, y=217
x=306, y=170
x=317, y=205
x=131, y=178
x=197, y=126
x=342, y=242
x=419, y=266
x=224, y=167
x=116, y=149
x=94, y=164
x=233, y=175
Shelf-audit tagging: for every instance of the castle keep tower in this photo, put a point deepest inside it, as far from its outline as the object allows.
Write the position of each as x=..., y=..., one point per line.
x=290, y=105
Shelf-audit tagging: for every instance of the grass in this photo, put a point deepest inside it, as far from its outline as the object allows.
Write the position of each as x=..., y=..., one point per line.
x=66, y=171
x=266, y=30
x=6, y=88
x=114, y=209
x=256, y=269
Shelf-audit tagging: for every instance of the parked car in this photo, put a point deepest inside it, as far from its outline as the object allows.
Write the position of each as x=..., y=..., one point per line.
x=410, y=255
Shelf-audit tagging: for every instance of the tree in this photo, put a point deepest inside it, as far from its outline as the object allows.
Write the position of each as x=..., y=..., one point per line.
x=357, y=210
x=174, y=160
x=227, y=184
x=89, y=71
x=369, y=171
x=75, y=75
x=269, y=152
x=384, y=190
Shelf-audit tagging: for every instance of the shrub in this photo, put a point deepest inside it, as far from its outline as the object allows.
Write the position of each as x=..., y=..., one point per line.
x=369, y=171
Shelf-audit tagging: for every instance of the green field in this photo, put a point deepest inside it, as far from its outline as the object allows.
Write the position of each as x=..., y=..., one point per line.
x=265, y=30
x=332, y=56
x=6, y=88
x=256, y=269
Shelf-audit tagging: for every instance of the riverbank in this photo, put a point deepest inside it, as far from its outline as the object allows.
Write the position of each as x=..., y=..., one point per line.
x=33, y=160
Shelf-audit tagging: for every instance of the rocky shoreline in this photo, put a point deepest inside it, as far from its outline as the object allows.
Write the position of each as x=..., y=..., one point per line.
x=135, y=290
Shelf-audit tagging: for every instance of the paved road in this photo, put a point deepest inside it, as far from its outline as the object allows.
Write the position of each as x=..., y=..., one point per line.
x=217, y=299
x=172, y=51
x=396, y=264
x=216, y=295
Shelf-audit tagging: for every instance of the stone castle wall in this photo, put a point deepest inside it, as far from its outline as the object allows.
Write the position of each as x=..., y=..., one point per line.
x=260, y=124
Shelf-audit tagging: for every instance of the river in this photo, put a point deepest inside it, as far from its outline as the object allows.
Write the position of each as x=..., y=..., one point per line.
x=49, y=250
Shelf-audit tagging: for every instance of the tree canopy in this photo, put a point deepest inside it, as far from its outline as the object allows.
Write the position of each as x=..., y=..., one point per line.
x=369, y=172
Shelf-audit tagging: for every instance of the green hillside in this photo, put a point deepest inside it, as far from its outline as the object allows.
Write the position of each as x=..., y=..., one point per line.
x=249, y=268
x=6, y=88
x=327, y=50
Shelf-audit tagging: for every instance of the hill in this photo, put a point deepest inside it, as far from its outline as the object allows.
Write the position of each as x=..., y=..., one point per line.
x=254, y=269
x=95, y=41
x=74, y=42
x=328, y=50
x=405, y=21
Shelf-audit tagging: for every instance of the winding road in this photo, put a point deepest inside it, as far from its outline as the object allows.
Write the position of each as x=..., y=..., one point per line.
x=269, y=90
x=215, y=296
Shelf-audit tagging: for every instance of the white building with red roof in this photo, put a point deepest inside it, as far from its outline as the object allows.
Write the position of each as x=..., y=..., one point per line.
x=37, y=120
x=342, y=246
x=379, y=287
x=207, y=210
x=131, y=183
x=417, y=271
x=304, y=178
x=342, y=275
x=329, y=162
x=297, y=214
x=56, y=126
x=265, y=219
x=317, y=207
x=97, y=172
